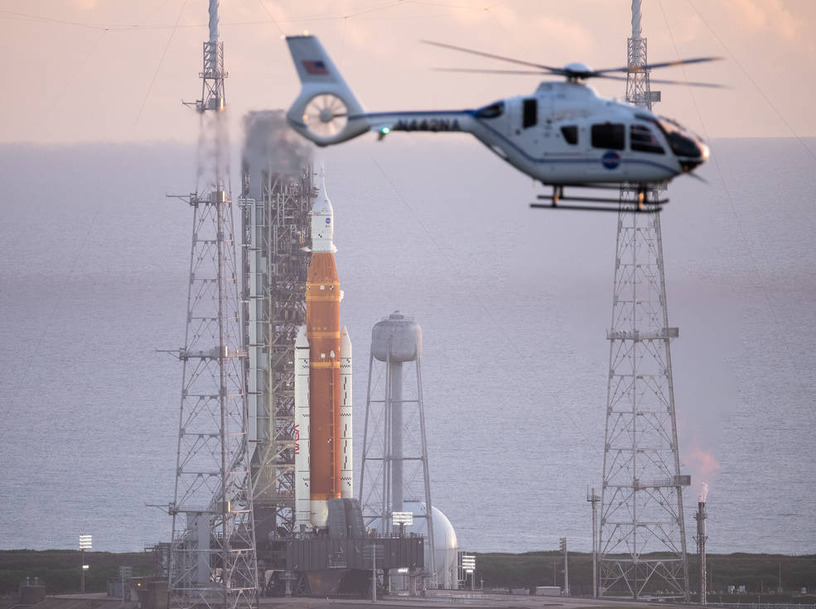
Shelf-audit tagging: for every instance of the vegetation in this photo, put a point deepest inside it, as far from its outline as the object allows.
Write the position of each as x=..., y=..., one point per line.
x=758, y=573
x=61, y=570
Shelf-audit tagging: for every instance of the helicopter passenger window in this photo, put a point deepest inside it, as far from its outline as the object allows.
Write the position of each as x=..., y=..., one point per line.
x=491, y=111
x=608, y=135
x=643, y=140
x=570, y=133
x=530, y=117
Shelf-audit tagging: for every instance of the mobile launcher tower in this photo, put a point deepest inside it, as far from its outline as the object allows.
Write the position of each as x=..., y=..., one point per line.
x=310, y=534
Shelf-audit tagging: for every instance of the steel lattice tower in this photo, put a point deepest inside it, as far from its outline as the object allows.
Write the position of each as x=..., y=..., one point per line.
x=642, y=540
x=212, y=555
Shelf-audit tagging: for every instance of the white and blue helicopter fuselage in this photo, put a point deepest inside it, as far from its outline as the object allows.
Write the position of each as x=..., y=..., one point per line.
x=562, y=134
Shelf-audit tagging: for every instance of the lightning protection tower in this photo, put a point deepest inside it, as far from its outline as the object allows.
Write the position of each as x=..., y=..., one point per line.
x=394, y=471
x=212, y=555
x=642, y=539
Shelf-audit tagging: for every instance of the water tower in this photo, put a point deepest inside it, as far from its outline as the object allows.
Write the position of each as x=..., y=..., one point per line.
x=395, y=453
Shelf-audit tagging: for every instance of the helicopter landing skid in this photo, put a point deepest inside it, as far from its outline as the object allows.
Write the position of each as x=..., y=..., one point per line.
x=642, y=204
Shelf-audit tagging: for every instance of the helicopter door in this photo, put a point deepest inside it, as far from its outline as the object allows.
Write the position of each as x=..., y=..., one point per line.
x=608, y=139
x=522, y=116
x=526, y=133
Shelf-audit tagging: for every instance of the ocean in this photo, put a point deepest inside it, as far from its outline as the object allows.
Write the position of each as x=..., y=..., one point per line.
x=514, y=304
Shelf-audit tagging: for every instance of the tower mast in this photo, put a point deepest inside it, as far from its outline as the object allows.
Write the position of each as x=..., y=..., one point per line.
x=642, y=538
x=212, y=555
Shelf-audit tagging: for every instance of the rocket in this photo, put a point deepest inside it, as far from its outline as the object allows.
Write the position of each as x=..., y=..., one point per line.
x=323, y=396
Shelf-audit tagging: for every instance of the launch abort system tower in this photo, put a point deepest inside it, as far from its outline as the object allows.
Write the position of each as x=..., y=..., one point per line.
x=212, y=555
x=642, y=539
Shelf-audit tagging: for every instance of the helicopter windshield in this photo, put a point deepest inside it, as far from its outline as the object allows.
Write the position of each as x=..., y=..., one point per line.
x=491, y=111
x=688, y=146
x=670, y=125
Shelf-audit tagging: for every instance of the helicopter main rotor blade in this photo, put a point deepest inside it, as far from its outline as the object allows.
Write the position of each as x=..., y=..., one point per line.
x=549, y=69
x=572, y=74
x=663, y=81
x=660, y=81
x=485, y=71
x=653, y=66
x=709, y=85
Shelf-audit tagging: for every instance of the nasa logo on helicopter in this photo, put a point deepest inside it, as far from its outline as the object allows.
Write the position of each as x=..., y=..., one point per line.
x=563, y=135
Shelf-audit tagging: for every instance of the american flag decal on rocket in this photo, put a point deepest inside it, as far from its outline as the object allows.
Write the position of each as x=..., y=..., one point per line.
x=315, y=68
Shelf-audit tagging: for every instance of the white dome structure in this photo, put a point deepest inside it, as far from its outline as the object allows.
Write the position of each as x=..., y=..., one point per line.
x=445, y=543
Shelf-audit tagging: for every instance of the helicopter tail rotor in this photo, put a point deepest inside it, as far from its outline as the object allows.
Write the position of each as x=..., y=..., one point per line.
x=326, y=111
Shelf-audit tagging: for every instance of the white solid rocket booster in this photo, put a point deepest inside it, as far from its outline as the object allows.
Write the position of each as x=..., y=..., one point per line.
x=302, y=466
x=346, y=429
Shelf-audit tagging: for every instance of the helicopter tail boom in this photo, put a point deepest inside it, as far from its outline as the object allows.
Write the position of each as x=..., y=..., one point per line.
x=326, y=111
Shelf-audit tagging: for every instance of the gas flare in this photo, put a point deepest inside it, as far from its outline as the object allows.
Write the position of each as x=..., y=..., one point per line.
x=704, y=467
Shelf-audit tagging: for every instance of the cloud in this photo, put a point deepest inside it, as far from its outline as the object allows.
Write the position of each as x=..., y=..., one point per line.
x=568, y=35
x=474, y=11
x=84, y=5
x=756, y=15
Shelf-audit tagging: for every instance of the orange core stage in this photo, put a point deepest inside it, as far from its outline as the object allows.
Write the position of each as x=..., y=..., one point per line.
x=323, y=332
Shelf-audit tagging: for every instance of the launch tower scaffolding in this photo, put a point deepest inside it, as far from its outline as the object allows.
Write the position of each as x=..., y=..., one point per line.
x=276, y=233
x=642, y=539
x=212, y=554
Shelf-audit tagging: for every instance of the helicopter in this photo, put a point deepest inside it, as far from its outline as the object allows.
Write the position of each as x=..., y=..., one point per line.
x=562, y=135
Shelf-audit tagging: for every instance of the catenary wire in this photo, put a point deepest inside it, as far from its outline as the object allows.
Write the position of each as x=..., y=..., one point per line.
x=760, y=284
x=753, y=82
x=161, y=61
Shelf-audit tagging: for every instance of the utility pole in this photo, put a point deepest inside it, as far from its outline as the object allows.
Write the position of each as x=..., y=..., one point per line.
x=593, y=498
x=566, y=566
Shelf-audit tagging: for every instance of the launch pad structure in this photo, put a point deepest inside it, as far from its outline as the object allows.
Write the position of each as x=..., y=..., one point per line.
x=306, y=545
x=641, y=547
x=275, y=225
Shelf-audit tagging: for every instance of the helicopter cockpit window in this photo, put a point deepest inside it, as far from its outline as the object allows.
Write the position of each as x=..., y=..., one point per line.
x=608, y=135
x=530, y=117
x=643, y=140
x=570, y=133
x=491, y=111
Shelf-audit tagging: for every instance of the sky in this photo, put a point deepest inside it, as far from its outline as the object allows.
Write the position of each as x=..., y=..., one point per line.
x=115, y=71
